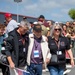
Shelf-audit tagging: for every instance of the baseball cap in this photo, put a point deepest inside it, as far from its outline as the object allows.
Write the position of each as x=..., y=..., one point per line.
x=37, y=27
x=41, y=16
x=7, y=15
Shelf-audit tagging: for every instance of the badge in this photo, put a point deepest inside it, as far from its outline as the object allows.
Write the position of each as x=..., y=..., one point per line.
x=24, y=49
x=62, y=44
x=59, y=52
x=36, y=53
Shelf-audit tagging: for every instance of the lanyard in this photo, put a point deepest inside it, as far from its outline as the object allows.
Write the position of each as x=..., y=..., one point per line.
x=58, y=44
x=35, y=44
x=23, y=41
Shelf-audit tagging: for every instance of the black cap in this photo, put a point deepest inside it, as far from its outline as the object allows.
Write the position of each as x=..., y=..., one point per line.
x=37, y=27
x=41, y=16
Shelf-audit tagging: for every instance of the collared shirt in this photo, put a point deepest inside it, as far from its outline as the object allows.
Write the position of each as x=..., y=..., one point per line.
x=63, y=46
x=22, y=51
x=37, y=58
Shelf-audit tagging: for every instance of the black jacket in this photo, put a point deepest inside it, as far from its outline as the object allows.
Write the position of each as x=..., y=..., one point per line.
x=12, y=46
x=64, y=45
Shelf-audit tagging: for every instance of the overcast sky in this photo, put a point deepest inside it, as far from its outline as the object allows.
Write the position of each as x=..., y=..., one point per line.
x=56, y=10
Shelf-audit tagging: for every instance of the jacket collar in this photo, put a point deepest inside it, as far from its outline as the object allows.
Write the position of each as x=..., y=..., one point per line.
x=43, y=39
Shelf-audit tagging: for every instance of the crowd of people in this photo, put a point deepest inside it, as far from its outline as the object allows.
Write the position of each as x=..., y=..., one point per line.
x=33, y=45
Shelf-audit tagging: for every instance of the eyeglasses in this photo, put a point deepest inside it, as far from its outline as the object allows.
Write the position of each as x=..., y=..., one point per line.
x=57, y=29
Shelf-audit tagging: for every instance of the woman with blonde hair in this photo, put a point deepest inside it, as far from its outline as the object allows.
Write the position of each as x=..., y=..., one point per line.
x=58, y=44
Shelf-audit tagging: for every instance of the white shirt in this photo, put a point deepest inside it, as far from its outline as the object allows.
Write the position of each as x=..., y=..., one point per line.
x=11, y=26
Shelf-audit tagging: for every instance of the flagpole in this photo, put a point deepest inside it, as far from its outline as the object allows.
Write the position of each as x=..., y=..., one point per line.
x=17, y=1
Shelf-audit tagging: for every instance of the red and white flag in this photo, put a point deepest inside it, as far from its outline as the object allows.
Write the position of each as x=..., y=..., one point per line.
x=17, y=71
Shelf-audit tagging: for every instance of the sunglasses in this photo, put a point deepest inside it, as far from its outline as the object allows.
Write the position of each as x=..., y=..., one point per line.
x=57, y=29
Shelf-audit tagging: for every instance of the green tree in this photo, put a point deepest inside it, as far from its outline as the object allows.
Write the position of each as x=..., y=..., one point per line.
x=71, y=13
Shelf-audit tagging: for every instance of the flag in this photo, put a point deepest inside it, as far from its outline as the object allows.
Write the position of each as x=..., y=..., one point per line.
x=26, y=73
x=18, y=71
x=22, y=72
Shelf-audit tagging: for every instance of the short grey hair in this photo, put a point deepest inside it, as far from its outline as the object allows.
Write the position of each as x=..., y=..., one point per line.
x=53, y=27
x=25, y=24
